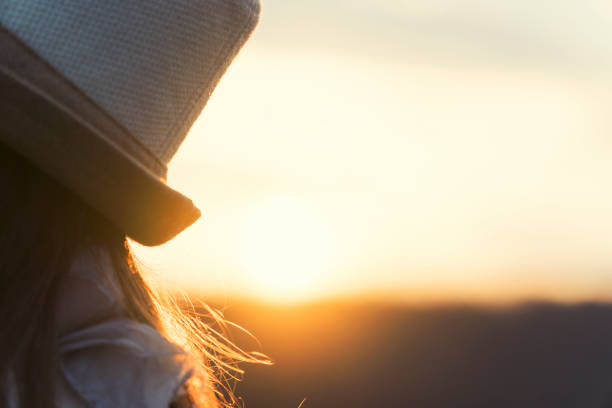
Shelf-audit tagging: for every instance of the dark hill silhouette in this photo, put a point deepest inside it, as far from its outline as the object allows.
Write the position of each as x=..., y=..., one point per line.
x=357, y=355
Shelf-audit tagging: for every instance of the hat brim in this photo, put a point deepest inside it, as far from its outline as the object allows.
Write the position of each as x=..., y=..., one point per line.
x=58, y=128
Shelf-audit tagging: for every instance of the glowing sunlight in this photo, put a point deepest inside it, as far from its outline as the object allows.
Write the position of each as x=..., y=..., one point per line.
x=285, y=250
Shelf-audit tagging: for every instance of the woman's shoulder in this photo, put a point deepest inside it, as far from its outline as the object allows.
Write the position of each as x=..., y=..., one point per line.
x=123, y=363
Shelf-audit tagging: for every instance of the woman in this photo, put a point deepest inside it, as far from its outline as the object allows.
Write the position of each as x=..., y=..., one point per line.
x=95, y=99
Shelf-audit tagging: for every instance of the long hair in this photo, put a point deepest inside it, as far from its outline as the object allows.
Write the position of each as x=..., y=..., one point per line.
x=43, y=226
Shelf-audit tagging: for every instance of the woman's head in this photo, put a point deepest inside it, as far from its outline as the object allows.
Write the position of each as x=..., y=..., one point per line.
x=96, y=117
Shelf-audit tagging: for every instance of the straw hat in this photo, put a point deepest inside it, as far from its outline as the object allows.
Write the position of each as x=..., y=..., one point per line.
x=101, y=94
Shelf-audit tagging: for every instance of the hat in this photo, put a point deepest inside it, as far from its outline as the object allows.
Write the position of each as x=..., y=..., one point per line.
x=100, y=94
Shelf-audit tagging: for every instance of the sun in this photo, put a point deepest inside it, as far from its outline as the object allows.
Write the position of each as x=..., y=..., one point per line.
x=286, y=250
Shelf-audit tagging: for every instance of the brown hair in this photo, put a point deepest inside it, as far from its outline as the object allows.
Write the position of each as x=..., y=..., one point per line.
x=42, y=228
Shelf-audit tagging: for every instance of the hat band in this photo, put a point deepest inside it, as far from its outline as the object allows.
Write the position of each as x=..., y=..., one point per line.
x=22, y=64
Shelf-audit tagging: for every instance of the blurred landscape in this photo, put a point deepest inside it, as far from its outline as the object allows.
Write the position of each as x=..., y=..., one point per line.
x=343, y=354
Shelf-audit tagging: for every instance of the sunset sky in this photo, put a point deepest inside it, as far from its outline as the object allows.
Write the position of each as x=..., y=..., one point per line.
x=405, y=149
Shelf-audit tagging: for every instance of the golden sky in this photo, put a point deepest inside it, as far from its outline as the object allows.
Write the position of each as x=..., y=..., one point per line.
x=411, y=149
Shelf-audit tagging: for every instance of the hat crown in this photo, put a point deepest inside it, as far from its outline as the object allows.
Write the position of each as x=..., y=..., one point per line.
x=151, y=65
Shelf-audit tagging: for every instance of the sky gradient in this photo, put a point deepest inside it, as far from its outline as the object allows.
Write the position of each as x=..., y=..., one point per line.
x=412, y=150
